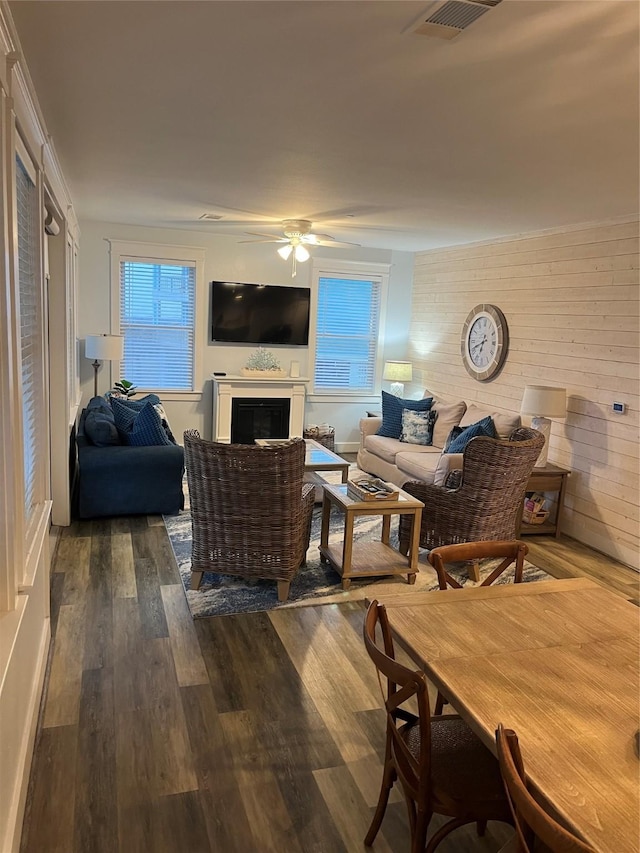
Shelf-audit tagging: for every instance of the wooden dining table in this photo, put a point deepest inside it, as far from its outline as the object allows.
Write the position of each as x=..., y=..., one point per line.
x=557, y=661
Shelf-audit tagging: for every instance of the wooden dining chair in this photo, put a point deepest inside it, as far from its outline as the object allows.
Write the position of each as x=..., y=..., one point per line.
x=534, y=826
x=473, y=552
x=442, y=767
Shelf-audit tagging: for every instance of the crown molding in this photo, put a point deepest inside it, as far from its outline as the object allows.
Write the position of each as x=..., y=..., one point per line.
x=525, y=235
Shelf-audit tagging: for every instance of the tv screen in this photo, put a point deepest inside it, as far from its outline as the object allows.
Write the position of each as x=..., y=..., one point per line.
x=259, y=313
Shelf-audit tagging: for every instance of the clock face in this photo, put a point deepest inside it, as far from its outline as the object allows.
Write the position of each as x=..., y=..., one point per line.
x=484, y=342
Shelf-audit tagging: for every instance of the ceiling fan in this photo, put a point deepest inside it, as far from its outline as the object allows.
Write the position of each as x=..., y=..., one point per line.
x=297, y=237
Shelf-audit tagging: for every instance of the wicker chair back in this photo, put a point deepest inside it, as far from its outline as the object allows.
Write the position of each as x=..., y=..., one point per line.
x=250, y=511
x=488, y=502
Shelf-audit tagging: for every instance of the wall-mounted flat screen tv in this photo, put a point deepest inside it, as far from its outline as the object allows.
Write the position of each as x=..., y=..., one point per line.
x=259, y=313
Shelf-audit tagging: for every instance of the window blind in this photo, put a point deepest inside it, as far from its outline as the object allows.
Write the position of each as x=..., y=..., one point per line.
x=157, y=320
x=34, y=433
x=347, y=327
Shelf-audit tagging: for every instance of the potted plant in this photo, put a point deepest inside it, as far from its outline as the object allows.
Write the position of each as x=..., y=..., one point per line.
x=123, y=388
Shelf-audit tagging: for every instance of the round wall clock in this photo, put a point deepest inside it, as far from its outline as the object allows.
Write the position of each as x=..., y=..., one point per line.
x=484, y=342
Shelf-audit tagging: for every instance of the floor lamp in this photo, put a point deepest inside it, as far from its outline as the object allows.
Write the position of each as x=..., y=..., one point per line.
x=544, y=402
x=102, y=348
x=398, y=372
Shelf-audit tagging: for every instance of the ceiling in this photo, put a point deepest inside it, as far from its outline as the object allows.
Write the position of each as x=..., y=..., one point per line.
x=337, y=112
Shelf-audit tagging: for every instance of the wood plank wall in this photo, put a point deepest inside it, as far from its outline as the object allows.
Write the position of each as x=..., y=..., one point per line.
x=571, y=302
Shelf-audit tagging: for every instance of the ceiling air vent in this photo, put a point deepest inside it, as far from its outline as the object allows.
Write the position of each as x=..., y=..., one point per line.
x=450, y=18
x=210, y=217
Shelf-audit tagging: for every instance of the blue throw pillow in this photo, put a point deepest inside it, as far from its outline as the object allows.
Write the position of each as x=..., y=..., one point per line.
x=99, y=404
x=100, y=428
x=138, y=406
x=147, y=430
x=417, y=427
x=124, y=418
x=392, y=407
x=459, y=437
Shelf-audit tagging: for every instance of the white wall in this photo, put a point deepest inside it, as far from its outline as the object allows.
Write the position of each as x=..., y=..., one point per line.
x=571, y=303
x=226, y=259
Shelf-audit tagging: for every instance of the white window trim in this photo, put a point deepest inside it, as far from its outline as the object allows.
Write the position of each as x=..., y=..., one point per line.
x=356, y=269
x=34, y=529
x=161, y=252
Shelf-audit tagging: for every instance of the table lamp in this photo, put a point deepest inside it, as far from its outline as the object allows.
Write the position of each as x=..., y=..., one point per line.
x=398, y=372
x=543, y=402
x=102, y=348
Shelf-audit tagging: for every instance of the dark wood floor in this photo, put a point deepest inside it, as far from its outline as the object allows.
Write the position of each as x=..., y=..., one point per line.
x=258, y=732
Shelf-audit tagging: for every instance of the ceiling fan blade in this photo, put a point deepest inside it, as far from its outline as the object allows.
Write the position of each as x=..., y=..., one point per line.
x=263, y=241
x=315, y=237
x=332, y=242
x=324, y=240
x=270, y=236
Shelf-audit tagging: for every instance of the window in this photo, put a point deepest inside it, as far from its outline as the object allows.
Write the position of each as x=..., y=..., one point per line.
x=34, y=421
x=348, y=322
x=156, y=306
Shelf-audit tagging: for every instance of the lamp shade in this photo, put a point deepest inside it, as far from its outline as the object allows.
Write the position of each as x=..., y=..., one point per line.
x=302, y=254
x=398, y=371
x=104, y=347
x=544, y=401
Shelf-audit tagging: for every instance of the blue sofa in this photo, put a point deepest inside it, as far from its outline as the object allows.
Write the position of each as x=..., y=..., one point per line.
x=118, y=479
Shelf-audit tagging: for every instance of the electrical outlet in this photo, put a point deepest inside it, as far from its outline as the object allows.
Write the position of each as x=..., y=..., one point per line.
x=619, y=408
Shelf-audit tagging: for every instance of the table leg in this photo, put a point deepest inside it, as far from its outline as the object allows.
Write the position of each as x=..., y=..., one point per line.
x=347, y=549
x=473, y=570
x=324, y=531
x=345, y=475
x=386, y=529
x=560, y=505
x=415, y=542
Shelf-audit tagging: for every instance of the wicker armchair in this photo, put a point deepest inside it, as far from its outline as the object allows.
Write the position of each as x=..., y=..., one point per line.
x=487, y=503
x=250, y=511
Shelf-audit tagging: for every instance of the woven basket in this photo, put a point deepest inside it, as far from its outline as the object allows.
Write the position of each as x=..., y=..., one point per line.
x=327, y=439
x=539, y=517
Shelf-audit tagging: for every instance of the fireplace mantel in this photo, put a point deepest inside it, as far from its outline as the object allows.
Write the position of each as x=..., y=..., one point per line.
x=225, y=388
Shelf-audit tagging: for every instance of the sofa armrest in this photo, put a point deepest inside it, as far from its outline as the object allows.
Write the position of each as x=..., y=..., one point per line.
x=369, y=426
x=447, y=462
x=125, y=480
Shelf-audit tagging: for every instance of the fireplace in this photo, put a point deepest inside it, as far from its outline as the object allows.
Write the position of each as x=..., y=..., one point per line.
x=259, y=417
x=275, y=408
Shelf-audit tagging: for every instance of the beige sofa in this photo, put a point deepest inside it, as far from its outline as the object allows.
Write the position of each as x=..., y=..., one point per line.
x=398, y=462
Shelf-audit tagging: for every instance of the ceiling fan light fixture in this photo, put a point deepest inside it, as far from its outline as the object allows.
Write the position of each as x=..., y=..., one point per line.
x=302, y=254
x=285, y=251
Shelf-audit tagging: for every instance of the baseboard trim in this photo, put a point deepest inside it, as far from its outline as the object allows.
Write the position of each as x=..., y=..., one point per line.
x=347, y=447
x=20, y=792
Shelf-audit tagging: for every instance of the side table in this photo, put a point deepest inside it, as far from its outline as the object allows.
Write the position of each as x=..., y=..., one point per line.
x=551, y=478
x=369, y=559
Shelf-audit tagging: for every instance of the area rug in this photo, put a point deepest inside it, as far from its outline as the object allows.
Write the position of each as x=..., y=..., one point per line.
x=315, y=583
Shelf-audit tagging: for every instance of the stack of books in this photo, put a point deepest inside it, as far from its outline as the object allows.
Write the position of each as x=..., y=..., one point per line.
x=372, y=489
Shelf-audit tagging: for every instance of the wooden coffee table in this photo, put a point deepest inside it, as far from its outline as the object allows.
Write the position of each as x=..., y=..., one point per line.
x=369, y=559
